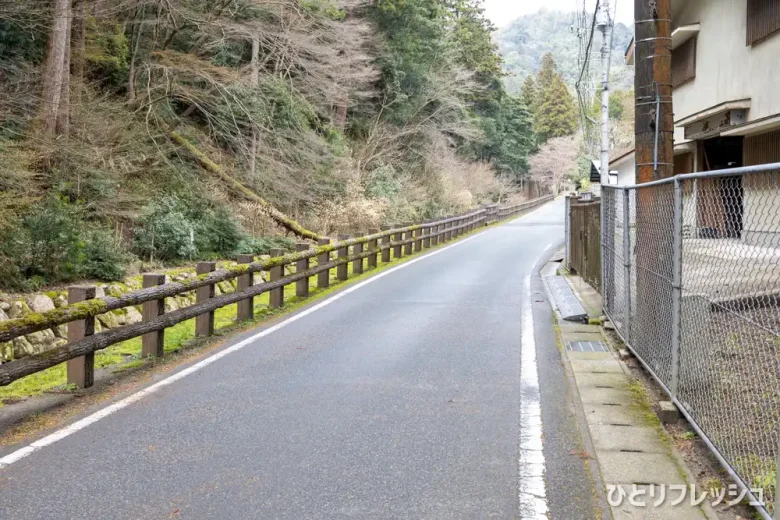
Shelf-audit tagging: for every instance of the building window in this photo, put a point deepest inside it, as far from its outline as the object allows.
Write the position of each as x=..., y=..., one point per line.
x=684, y=63
x=763, y=19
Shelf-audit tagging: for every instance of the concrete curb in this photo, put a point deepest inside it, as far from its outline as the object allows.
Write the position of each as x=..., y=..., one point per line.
x=706, y=508
x=670, y=451
x=582, y=423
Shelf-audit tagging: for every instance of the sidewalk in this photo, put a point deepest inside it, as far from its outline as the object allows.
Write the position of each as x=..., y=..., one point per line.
x=642, y=475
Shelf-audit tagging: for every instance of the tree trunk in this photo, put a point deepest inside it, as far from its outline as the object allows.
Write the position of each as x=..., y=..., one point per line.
x=54, y=70
x=63, y=113
x=134, y=44
x=255, y=82
x=341, y=115
x=77, y=50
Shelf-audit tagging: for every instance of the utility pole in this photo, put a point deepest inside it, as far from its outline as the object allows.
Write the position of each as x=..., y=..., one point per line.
x=654, y=123
x=605, y=26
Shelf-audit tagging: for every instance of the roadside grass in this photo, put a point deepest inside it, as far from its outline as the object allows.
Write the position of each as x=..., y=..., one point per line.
x=126, y=356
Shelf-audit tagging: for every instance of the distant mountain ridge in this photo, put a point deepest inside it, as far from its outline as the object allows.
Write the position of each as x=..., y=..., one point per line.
x=523, y=42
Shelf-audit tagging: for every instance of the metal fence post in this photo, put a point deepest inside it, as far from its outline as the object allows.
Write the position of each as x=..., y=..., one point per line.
x=153, y=343
x=245, y=309
x=81, y=370
x=567, y=231
x=626, y=264
x=777, y=485
x=606, y=296
x=676, y=285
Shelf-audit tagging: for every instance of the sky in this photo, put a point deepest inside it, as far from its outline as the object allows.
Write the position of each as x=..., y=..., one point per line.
x=502, y=12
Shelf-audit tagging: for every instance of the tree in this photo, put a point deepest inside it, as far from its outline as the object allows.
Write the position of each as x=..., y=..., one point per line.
x=508, y=138
x=557, y=115
x=548, y=71
x=530, y=94
x=55, y=102
x=555, y=162
x=472, y=34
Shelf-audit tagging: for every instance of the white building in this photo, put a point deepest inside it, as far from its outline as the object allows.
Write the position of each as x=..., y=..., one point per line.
x=726, y=79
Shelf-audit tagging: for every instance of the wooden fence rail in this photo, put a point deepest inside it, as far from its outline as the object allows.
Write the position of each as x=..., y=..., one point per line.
x=82, y=310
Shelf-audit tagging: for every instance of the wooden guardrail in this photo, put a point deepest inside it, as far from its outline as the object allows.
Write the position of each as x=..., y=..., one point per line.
x=508, y=211
x=83, y=307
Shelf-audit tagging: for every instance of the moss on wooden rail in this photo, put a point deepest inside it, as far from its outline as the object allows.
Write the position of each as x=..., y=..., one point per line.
x=11, y=371
x=34, y=322
x=78, y=311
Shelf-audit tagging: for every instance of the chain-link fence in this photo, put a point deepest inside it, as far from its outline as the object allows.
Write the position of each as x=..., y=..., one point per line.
x=691, y=269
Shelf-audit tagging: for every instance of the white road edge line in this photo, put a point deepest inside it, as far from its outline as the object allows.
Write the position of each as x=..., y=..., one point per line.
x=531, y=471
x=113, y=408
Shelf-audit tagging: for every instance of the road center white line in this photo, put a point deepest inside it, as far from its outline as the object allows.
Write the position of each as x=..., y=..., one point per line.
x=113, y=408
x=532, y=491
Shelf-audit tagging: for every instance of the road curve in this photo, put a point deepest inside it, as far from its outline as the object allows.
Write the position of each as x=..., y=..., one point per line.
x=401, y=399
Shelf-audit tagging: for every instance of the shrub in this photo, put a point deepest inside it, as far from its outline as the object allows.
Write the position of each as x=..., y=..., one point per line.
x=53, y=243
x=165, y=232
x=263, y=245
x=103, y=257
x=175, y=227
x=48, y=242
x=217, y=232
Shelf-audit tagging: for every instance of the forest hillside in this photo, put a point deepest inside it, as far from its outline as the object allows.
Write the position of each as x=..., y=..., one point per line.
x=524, y=42
x=147, y=131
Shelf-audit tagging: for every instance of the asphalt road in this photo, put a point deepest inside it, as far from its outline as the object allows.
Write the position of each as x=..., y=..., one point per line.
x=401, y=399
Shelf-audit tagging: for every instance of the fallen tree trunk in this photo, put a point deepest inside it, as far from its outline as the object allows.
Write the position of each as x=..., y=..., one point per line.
x=212, y=167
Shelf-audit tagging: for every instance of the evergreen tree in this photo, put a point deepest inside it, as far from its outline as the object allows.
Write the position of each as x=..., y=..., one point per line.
x=557, y=116
x=472, y=35
x=529, y=94
x=514, y=138
x=548, y=71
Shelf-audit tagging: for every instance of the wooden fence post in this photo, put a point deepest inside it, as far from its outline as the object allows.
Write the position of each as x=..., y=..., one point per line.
x=417, y=234
x=245, y=308
x=276, y=296
x=434, y=231
x=397, y=250
x=357, y=265
x=426, y=235
x=386, y=240
x=447, y=233
x=323, y=278
x=408, y=235
x=342, y=271
x=204, y=324
x=81, y=370
x=302, y=286
x=372, y=247
x=153, y=343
